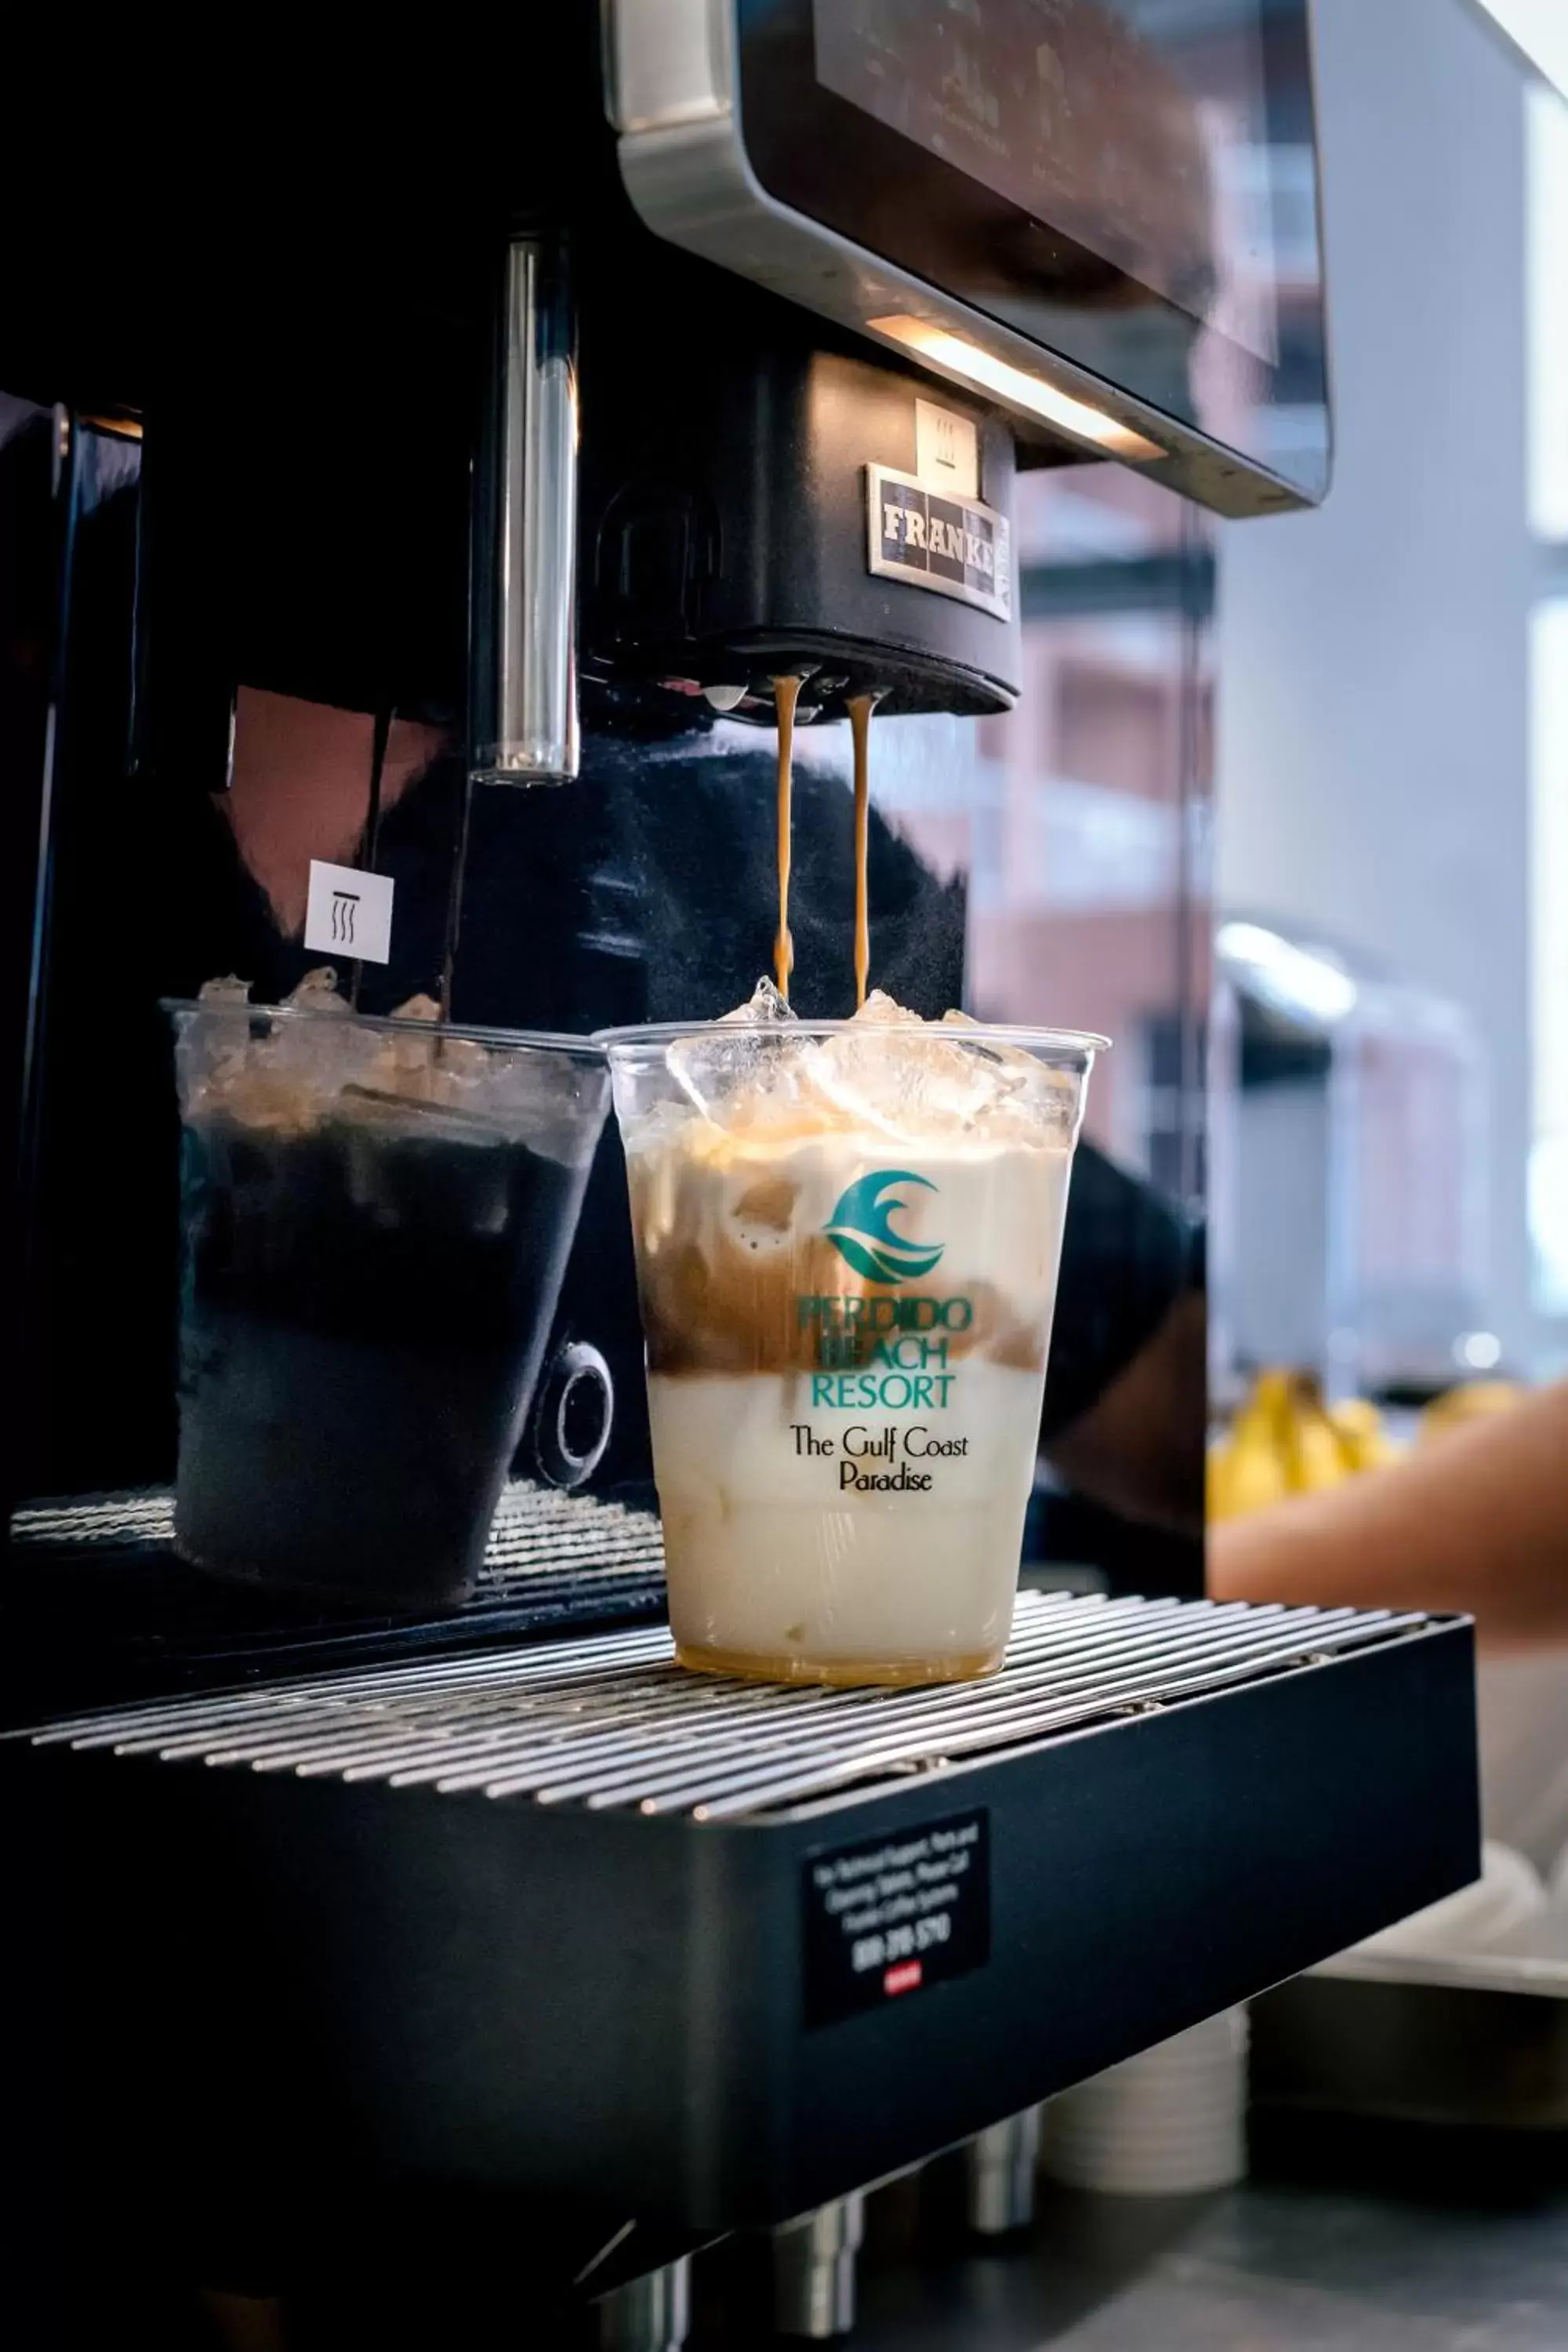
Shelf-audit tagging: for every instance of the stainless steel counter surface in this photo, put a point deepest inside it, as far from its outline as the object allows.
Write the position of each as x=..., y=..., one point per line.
x=1350, y=2238
x=1278, y=2268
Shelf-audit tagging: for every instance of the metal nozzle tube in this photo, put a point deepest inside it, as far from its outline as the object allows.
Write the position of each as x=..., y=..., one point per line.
x=1001, y=2169
x=523, y=700
x=651, y=2314
x=814, y=2269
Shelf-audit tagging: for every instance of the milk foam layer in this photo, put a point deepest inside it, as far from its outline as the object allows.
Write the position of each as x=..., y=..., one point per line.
x=734, y=1232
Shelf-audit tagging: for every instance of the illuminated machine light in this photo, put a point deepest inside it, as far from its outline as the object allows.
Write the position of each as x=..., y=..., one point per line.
x=1015, y=385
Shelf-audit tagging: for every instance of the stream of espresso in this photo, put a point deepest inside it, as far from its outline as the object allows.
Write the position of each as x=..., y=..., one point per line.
x=786, y=694
x=861, y=706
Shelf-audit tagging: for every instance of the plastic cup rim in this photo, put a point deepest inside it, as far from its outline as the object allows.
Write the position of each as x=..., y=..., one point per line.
x=543, y=1041
x=1083, y=1043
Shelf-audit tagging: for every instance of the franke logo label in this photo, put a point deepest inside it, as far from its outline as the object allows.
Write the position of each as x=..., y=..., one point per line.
x=862, y=1229
x=958, y=547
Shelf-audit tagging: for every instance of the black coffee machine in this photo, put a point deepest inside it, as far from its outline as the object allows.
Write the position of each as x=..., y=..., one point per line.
x=551, y=454
x=359, y=472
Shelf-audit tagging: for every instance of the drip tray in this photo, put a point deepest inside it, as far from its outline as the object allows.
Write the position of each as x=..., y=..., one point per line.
x=100, y=1601
x=566, y=1917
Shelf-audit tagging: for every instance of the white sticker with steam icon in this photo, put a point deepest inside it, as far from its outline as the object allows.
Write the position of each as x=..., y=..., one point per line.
x=349, y=914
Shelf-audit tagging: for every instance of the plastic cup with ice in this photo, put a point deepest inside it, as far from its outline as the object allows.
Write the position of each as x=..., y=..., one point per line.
x=848, y=1236
x=375, y=1217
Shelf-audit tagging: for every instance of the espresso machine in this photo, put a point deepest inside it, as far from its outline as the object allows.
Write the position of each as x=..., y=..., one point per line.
x=383, y=494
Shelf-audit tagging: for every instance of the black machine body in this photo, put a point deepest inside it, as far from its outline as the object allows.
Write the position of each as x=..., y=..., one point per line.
x=761, y=509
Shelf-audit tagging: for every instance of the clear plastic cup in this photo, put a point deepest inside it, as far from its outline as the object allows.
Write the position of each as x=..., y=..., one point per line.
x=375, y=1216
x=848, y=1236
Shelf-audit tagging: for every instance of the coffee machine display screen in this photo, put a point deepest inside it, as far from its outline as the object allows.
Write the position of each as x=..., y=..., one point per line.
x=1097, y=115
x=1132, y=184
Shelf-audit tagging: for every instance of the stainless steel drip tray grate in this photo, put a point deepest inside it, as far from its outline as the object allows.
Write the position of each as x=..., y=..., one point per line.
x=537, y=1530
x=611, y=1724
x=103, y=1607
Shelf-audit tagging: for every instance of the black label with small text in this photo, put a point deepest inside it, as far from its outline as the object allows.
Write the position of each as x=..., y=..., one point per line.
x=891, y=1914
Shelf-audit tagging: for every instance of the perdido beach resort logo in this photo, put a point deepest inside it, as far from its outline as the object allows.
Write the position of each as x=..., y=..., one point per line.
x=861, y=1228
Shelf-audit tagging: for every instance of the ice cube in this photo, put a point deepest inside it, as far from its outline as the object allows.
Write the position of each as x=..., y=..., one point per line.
x=317, y=992
x=909, y=1078
x=211, y=1048
x=1031, y=1090
x=425, y=1063
x=711, y=1070
x=907, y=1086
x=882, y=1010
x=297, y=1067
x=286, y=1074
x=765, y=1003
x=539, y=1098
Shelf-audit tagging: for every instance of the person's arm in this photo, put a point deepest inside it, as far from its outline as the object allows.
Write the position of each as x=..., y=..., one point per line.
x=1477, y=1522
x=1126, y=1389
x=1139, y=1448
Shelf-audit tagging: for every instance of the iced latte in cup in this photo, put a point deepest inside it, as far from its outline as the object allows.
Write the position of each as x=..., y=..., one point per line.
x=846, y=1236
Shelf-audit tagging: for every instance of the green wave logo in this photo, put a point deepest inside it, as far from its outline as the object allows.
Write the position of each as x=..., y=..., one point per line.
x=862, y=1229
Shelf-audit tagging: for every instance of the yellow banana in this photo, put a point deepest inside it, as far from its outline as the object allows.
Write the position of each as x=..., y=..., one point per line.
x=1364, y=1443
x=1285, y=1440
x=1246, y=1471
x=1271, y=1403
x=1313, y=1459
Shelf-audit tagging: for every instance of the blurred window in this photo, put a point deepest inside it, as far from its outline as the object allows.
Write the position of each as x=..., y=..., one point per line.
x=1548, y=494
x=1549, y=882
x=1548, y=323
